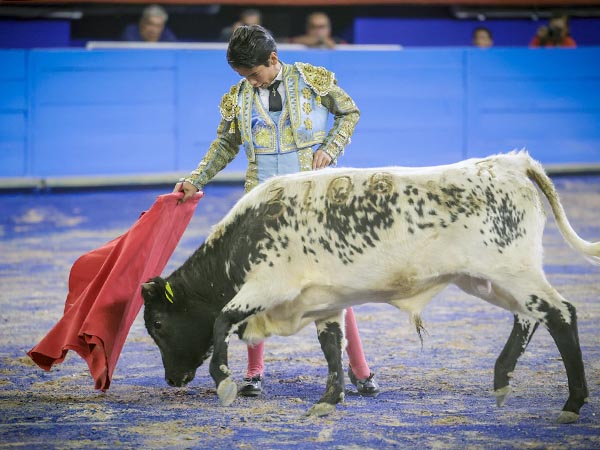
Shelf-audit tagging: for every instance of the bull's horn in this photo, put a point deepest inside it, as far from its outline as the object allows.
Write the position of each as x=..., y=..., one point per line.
x=147, y=286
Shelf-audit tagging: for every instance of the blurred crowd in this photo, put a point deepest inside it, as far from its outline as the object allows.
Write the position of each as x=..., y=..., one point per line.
x=555, y=34
x=153, y=27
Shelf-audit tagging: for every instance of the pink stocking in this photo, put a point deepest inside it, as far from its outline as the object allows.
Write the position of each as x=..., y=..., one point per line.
x=354, y=349
x=256, y=363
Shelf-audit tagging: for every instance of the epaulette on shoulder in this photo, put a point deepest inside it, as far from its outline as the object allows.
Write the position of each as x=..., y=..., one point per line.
x=318, y=78
x=229, y=102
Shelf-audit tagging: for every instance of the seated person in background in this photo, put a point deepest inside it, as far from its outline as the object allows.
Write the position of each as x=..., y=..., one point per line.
x=151, y=27
x=318, y=32
x=556, y=34
x=247, y=17
x=482, y=37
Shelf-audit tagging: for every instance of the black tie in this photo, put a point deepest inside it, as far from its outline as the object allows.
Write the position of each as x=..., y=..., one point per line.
x=274, y=97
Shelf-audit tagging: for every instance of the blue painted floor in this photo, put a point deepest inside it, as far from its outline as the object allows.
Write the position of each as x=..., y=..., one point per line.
x=435, y=396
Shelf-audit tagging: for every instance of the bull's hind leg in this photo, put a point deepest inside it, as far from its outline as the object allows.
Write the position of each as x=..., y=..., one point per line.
x=518, y=340
x=562, y=325
x=331, y=338
x=533, y=297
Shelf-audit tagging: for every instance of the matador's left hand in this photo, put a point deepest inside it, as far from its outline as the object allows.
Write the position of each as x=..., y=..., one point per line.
x=321, y=160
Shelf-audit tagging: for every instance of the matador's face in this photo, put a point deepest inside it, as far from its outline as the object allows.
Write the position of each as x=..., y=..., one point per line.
x=263, y=75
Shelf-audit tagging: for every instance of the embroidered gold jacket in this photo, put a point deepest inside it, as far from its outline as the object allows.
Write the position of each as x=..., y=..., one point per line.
x=311, y=93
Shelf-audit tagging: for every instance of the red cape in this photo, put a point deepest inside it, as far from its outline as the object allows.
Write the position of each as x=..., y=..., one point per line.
x=105, y=289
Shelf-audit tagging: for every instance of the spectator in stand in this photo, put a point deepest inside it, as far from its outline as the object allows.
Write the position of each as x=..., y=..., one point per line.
x=247, y=17
x=482, y=38
x=318, y=32
x=556, y=34
x=151, y=27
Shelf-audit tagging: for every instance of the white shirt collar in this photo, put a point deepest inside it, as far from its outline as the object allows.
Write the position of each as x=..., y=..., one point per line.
x=279, y=77
x=279, y=74
x=263, y=93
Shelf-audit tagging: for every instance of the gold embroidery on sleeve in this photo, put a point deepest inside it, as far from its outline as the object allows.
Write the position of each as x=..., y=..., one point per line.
x=229, y=103
x=229, y=108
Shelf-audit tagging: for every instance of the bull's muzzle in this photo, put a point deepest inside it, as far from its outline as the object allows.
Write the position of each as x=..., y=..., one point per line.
x=179, y=382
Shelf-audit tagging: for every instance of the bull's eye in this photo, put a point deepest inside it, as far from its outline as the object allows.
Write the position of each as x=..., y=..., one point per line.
x=157, y=325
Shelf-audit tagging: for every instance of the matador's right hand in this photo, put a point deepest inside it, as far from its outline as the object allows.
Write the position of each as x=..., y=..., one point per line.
x=188, y=189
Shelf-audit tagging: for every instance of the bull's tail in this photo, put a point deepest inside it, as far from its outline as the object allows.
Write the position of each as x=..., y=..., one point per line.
x=590, y=250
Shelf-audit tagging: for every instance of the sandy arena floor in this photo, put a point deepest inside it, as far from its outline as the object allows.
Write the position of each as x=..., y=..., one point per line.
x=437, y=396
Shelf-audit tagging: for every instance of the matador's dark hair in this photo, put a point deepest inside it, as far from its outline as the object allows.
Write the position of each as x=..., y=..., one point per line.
x=250, y=46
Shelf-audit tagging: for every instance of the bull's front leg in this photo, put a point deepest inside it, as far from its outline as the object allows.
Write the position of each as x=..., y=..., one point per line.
x=219, y=368
x=331, y=338
x=230, y=319
x=245, y=304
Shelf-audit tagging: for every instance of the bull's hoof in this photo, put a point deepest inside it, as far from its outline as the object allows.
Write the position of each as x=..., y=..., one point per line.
x=567, y=417
x=320, y=410
x=227, y=391
x=501, y=395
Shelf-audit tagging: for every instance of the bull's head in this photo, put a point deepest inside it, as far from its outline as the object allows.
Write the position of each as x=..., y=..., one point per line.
x=182, y=331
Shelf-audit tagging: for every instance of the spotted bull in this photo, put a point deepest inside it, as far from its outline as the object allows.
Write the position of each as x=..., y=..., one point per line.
x=301, y=248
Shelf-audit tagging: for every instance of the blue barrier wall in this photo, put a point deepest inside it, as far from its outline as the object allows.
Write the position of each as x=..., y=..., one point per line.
x=115, y=112
x=14, y=113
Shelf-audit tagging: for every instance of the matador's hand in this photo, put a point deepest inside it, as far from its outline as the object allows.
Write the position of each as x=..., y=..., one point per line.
x=321, y=160
x=188, y=189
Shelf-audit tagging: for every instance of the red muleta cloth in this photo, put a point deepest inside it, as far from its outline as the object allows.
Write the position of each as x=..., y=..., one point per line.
x=105, y=289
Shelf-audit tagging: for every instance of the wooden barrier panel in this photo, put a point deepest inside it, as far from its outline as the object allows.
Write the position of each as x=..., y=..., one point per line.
x=139, y=112
x=14, y=107
x=547, y=101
